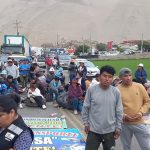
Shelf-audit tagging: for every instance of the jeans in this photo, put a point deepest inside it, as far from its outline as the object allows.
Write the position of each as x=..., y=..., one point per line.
x=39, y=101
x=24, y=80
x=94, y=140
x=77, y=104
x=54, y=94
x=141, y=133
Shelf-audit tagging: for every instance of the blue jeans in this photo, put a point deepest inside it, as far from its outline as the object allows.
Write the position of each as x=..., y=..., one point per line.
x=77, y=104
x=52, y=93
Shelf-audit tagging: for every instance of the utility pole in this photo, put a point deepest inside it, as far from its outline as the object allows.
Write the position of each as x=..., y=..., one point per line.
x=17, y=26
x=57, y=43
x=142, y=44
x=83, y=45
x=90, y=43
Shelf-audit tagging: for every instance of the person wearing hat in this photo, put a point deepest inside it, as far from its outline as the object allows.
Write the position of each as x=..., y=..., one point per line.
x=102, y=112
x=140, y=74
x=75, y=96
x=14, y=133
x=12, y=70
x=136, y=103
x=4, y=74
x=50, y=75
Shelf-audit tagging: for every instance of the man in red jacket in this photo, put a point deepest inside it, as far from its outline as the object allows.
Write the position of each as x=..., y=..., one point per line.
x=48, y=63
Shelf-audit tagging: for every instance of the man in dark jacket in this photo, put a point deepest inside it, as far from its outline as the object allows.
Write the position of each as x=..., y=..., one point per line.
x=14, y=133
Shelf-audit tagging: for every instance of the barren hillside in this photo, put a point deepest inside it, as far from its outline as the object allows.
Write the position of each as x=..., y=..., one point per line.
x=42, y=20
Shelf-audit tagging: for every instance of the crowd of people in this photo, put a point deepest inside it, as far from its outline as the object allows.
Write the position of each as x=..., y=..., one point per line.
x=110, y=106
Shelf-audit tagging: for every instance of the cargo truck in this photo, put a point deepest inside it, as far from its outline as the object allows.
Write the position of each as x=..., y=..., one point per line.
x=16, y=45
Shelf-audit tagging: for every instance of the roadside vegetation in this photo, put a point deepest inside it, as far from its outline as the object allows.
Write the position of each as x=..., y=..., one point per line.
x=130, y=63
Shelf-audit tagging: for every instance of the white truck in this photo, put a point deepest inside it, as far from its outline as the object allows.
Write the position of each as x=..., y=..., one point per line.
x=16, y=45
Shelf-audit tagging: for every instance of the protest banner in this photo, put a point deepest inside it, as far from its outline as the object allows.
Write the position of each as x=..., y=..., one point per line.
x=54, y=123
x=57, y=139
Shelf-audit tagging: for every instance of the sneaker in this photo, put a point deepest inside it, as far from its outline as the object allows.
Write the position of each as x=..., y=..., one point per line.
x=44, y=106
x=75, y=112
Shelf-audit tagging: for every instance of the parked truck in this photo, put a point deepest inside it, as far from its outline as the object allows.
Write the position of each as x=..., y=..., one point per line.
x=16, y=45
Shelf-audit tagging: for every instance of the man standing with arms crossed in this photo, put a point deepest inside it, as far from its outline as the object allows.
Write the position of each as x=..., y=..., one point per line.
x=136, y=103
x=102, y=112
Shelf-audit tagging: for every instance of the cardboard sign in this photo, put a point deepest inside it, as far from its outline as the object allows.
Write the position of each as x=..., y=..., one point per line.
x=53, y=123
x=57, y=139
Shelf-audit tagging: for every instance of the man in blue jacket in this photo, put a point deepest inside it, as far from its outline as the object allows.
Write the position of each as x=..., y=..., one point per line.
x=140, y=74
x=24, y=73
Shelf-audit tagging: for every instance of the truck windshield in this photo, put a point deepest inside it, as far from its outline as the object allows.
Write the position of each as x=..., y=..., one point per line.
x=12, y=50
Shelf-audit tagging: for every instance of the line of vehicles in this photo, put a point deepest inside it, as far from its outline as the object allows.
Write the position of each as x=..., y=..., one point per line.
x=18, y=47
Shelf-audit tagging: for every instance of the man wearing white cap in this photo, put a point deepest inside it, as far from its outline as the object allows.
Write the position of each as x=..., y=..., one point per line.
x=140, y=74
x=12, y=70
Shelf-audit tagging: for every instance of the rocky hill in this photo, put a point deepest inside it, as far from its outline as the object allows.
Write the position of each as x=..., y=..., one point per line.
x=44, y=21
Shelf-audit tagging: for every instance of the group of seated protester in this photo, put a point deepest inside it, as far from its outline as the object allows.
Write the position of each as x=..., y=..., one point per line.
x=51, y=86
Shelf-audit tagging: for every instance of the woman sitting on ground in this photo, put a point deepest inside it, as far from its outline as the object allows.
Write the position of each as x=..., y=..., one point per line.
x=75, y=96
x=35, y=96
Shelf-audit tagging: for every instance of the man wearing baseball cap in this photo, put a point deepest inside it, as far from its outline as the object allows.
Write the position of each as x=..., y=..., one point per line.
x=12, y=70
x=136, y=103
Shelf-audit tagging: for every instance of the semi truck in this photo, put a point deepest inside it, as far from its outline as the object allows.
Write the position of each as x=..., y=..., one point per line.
x=16, y=45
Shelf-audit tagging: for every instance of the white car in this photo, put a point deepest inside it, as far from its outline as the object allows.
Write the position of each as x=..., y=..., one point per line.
x=41, y=62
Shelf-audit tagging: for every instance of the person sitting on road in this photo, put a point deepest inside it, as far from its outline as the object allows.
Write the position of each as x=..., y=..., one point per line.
x=75, y=96
x=35, y=96
x=12, y=88
x=140, y=74
x=50, y=75
x=3, y=87
x=55, y=86
x=3, y=74
x=40, y=85
x=59, y=73
x=11, y=84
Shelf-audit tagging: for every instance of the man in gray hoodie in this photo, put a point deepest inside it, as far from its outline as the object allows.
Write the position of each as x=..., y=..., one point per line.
x=102, y=112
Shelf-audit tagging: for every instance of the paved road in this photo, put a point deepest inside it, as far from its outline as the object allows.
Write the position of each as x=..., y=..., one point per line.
x=73, y=121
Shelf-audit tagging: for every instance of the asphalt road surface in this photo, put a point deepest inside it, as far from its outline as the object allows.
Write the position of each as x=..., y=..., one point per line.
x=73, y=121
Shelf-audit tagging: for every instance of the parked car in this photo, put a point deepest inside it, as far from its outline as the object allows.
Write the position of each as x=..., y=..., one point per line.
x=41, y=62
x=64, y=61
